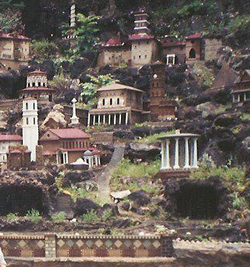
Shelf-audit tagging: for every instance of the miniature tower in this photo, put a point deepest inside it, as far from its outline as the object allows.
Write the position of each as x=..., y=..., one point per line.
x=73, y=14
x=30, y=125
x=141, y=22
x=74, y=119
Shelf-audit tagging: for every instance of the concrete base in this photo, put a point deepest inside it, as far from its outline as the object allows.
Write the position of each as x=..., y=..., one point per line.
x=173, y=174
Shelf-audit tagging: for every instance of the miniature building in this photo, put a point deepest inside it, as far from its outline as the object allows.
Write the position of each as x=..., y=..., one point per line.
x=14, y=50
x=118, y=104
x=193, y=47
x=30, y=125
x=18, y=157
x=223, y=81
x=64, y=146
x=144, y=46
x=179, y=155
x=173, y=51
x=115, y=52
x=212, y=45
x=161, y=108
x=92, y=158
x=241, y=91
x=37, y=87
x=5, y=142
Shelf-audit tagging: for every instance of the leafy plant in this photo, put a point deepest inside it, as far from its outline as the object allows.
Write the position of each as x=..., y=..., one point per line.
x=245, y=117
x=107, y=215
x=59, y=217
x=33, y=215
x=43, y=49
x=151, y=139
x=12, y=216
x=90, y=217
x=10, y=21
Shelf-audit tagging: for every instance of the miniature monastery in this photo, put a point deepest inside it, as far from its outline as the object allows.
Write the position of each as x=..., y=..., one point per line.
x=14, y=50
x=179, y=155
x=241, y=90
x=142, y=48
x=37, y=87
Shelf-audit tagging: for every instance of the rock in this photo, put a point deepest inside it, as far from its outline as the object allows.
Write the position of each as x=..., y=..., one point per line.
x=117, y=196
x=126, y=205
x=208, y=109
x=89, y=186
x=139, y=198
x=141, y=131
x=121, y=134
x=113, y=209
x=83, y=206
x=225, y=120
x=72, y=178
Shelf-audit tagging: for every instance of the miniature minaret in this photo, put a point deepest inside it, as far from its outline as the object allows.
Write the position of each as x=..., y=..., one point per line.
x=73, y=14
x=74, y=119
x=30, y=125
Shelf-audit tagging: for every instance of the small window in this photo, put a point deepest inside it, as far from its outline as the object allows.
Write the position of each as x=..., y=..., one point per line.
x=27, y=106
x=34, y=121
x=139, y=56
x=33, y=84
x=27, y=121
x=34, y=105
x=103, y=102
x=146, y=56
x=39, y=84
x=111, y=101
x=118, y=101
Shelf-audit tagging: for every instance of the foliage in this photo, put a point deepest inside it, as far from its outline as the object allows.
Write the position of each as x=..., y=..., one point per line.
x=59, y=217
x=90, y=217
x=239, y=22
x=107, y=215
x=4, y=4
x=12, y=216
x=10, y=21
x=84, y=33
x=151, y=139
x=89, y=89
x=43, y=49
x=133, y=171
x=245, y=117
x=204, y=75
x=33, y=215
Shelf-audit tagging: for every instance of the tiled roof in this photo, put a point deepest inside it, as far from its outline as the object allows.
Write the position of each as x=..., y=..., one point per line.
x=70, y=133
x=197, y=35
x=10, y=137
x=141, y=37
x=37, y=72
x=170, y=44
x=118, y=86
x=13, y=36
x=113, y=42
x=37, y=89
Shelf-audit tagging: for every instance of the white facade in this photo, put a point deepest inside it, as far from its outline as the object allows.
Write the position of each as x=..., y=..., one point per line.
x=4, y=149
x=30, y=126
x=37, y=80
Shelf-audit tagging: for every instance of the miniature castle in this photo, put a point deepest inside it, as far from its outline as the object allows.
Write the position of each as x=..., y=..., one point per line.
x=14, y=50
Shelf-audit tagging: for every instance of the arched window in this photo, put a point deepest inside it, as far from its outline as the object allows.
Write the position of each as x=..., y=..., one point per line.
x=103, y=102
x=118, y=101
x=27, y=106
x=34, y=84
x=192, y=53
x=39, y=84
x=111, y=101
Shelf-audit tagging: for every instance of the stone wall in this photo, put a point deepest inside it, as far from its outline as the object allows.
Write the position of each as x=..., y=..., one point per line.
x=102, y=138
x=56, y=246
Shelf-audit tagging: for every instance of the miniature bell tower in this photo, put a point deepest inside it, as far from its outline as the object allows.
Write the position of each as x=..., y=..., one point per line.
x=30, y=125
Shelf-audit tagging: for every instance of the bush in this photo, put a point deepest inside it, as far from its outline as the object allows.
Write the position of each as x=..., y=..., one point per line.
x=107, y=215
x=59, y=217
x=33, y=216
x=43, y=49
x=12, y=216
x=90, y=217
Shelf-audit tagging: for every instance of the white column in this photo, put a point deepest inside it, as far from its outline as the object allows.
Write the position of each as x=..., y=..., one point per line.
x=187, y=162
x=195, y=154
x=238, y=97
x=89, y=119
x=114, y=119
x=126, y=120
x=245, y=97
x=99, y=160
x=94, y=119
x=109, y=119
x=99, y=119
x=168, y=154
x=57, y=158
x=120, y=118
x=176, y=162
x=163, y=155
x=104, y=119
x=74, y=119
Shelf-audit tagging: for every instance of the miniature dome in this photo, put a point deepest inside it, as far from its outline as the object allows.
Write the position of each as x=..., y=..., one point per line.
x=87, y=153
x=80, y=161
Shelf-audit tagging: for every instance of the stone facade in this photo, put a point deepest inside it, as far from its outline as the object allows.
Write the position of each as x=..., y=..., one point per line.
x=118, y=104
x=14, y=50
x=161, y=108
x=212, y=46
x=194, y=48
x=18, y=157
x=60, y=246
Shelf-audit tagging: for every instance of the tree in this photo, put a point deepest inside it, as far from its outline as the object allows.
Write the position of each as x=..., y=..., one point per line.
x=44, y=49
x=11, y=4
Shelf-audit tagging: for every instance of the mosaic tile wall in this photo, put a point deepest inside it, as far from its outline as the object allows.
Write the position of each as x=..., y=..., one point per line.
x=52, y=245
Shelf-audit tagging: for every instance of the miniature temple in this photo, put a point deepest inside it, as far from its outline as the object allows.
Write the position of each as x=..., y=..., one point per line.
x=118, y=104
x=241, y=90
x=37, y=87
x=179, y=155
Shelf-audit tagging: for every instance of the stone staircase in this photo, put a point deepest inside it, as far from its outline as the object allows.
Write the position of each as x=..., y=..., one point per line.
x=103, y=178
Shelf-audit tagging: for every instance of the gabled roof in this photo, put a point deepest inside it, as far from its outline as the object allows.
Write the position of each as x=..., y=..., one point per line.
x=37, y=72
x=172, y=44
x=118, y=86
x=225, y=78
x=10, y=137
x=197, y=35
x=141, y=37
x=69, y=133
x=241, y=78
x=13, y=36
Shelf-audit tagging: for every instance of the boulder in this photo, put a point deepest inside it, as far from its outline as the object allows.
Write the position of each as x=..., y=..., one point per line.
x=83, y=206
x=72, y=178
x=140, y=198
x=225, y=120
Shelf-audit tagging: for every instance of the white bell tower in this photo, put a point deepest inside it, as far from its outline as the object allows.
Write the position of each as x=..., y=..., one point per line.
x=30, y=125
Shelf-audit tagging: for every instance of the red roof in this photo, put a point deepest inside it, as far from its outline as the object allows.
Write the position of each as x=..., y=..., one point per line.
x=49, y=153
x=37, y=89
x=13, y=36
x=37, y=72
x=197, y=35
x=74, y=149
x=170, y=44
x=10, y=137
x=141, y=37
x=70, y=133
x=16, y=151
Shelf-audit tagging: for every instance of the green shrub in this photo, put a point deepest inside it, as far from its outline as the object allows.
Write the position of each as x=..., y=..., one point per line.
x=33, y=216
x=107, y=215
x=59, y=217
x=90, y=217
x=12, y=216
x=238, y=23
x=245, y=117
x=154, y=138
x=43, y=49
